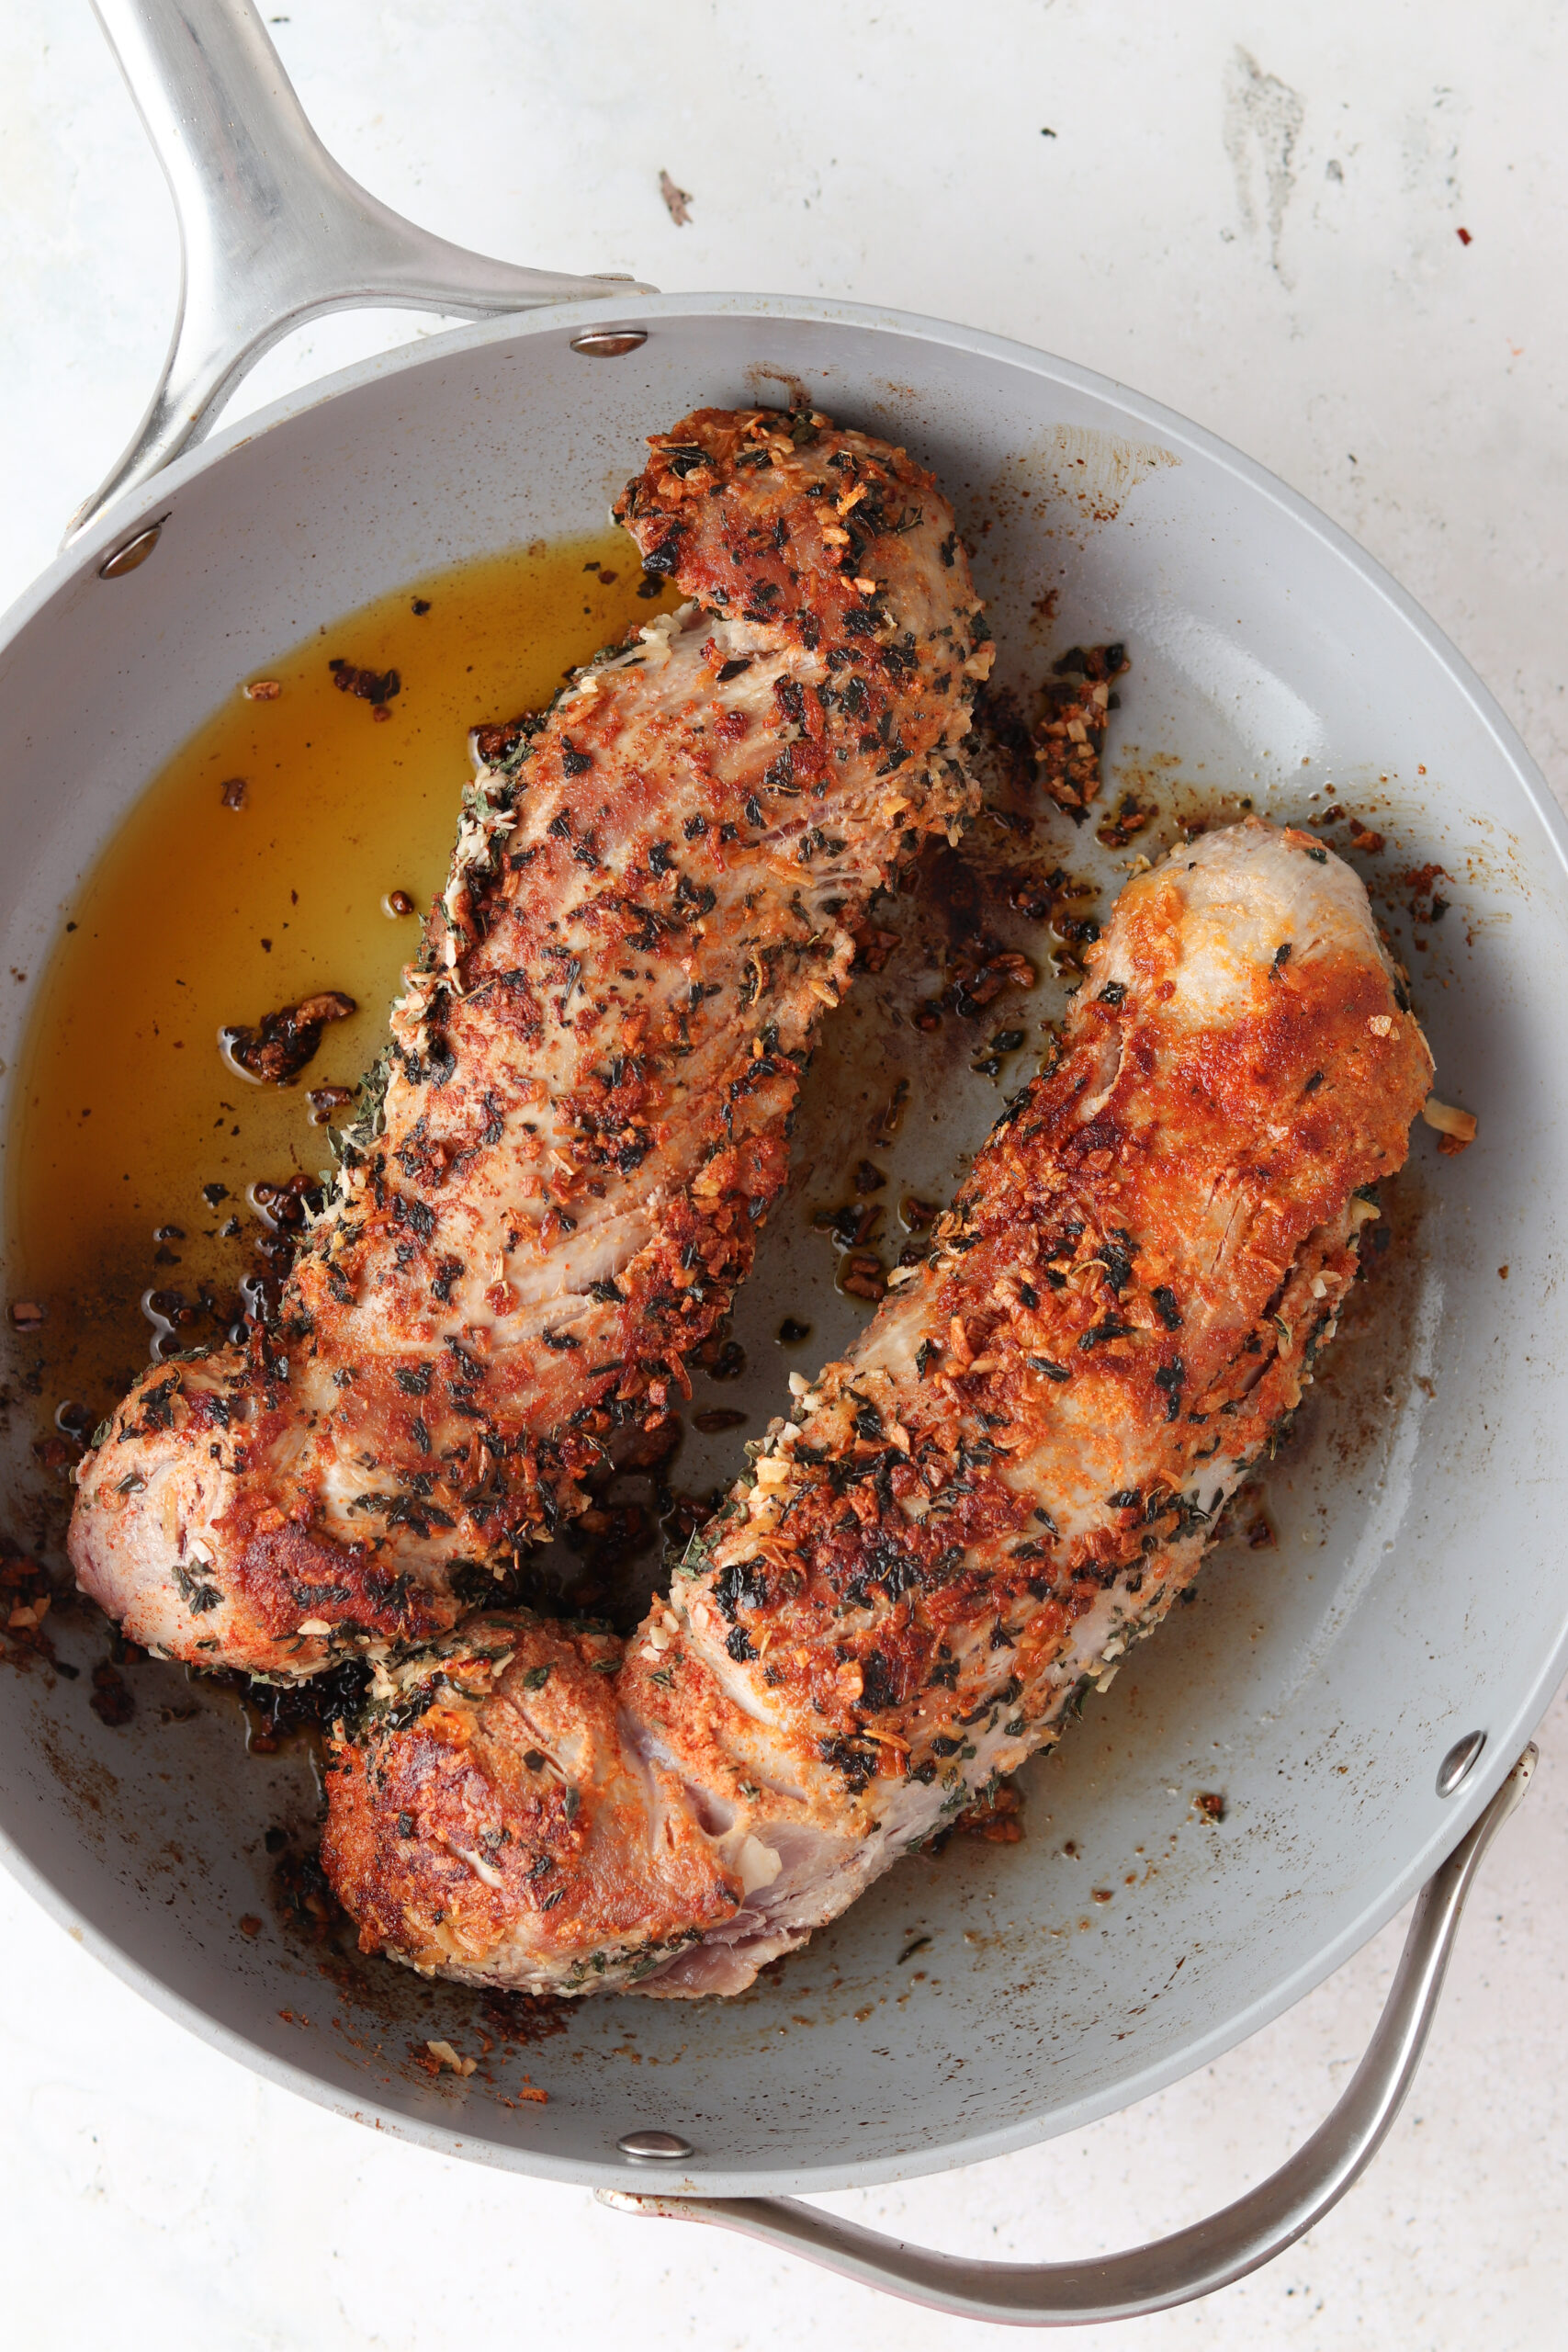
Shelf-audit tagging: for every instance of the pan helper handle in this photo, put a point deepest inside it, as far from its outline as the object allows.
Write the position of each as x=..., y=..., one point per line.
x=272, y=231
x=1191, y=2262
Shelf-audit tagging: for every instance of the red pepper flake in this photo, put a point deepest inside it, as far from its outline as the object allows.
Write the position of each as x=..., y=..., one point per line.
x=1464, y=236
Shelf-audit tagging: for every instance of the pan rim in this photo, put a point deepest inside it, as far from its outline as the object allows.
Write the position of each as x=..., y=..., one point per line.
x=134, y=512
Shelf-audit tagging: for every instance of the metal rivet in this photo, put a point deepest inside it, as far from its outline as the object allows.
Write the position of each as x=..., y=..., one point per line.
x=653, y=2147
x=1457, y=1764
x=609, y=343
x=134, y=552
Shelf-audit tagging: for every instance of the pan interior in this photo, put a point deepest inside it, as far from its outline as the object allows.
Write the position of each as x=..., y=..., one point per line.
x=995, y=1992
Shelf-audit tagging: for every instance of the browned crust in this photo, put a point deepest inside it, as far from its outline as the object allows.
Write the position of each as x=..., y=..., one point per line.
x=1154, y=1243
x=848, y=1605
x=667, y=977
x=444, y=1832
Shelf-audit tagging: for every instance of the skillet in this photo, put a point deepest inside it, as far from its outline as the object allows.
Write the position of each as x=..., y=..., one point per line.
x=1364, y=1694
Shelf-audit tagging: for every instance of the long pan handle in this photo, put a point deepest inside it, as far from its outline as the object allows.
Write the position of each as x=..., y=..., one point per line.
x=272, y=230
x=1192, y=2262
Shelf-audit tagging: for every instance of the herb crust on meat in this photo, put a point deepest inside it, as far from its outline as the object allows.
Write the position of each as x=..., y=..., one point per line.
x=582, y=1116
x=1009, y=1480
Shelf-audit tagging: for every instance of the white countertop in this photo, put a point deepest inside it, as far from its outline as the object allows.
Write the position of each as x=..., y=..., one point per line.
x=1253, y=212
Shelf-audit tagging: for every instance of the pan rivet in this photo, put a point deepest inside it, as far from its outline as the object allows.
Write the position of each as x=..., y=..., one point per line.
x=609, y=343
x=1457, y=1764
x=135, y=551
x=653, y=2147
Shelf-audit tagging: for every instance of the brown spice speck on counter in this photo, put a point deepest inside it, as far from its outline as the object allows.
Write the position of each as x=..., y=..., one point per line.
x=677, y=200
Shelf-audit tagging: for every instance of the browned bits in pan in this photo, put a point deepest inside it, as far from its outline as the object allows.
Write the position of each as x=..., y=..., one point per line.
x=1128, y=819
x=1071, y=733
x=993, y=1816
x=277, y=1048
x=873, y=948
x=850, y=1227
x=326, y=1100
x=112, y=1701
x=374, y=686
x=493, y=745
x=863, y=1276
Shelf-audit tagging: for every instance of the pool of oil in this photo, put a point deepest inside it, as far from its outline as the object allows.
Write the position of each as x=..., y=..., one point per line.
x=264, y=863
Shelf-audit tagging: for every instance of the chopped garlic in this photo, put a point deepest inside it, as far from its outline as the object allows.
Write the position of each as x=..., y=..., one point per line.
x=482, y=1870
x=1460, y=1125
x=757, y=1864
x=445, y=2055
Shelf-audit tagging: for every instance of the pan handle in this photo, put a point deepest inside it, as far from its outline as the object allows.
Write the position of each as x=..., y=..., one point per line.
x=1192, y=2262
x=272, y=230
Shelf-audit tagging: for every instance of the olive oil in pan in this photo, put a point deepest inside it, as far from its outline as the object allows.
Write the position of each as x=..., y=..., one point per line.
x=255, y=870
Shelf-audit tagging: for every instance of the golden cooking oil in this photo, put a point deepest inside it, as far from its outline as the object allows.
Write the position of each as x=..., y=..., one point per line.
x=264, y=863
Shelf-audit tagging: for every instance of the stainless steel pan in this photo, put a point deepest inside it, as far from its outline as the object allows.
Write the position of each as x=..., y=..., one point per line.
x=1363, y=1695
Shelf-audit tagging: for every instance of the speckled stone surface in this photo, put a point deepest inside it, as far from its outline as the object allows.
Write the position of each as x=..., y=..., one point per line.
x=1336, y=236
